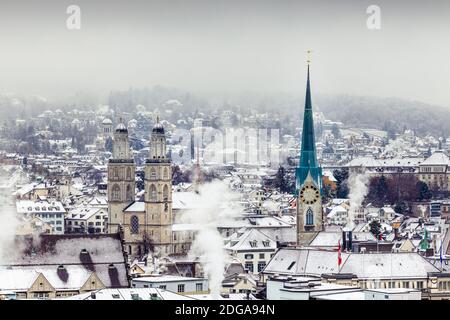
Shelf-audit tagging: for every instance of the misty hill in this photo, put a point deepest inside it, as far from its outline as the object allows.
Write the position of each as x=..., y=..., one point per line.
x=386, y=113
x=391, y=114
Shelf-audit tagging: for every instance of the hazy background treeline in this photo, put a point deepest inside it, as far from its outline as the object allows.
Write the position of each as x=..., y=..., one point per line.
x=391, y=114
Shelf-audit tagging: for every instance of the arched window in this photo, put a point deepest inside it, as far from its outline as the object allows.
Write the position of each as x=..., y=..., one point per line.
x=128, y=173
x=166, y=173
x=129, y=193
x=116, y=173
x=116, y=193
x=134, y=224
x=153, y=174
x=309, y=217
x=152, y=192
x=165, y=193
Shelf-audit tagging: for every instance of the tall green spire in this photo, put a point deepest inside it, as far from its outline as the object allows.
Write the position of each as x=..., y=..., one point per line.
x=308, y=158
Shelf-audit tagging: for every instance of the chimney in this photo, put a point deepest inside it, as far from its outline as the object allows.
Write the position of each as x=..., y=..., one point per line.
x=350, y=241
x=395, y=233
x=344, y=242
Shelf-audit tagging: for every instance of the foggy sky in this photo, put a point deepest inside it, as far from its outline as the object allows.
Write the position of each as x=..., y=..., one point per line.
x=227, y=46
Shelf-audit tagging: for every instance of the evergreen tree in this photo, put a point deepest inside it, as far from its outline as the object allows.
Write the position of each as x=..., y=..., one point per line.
x=380, y=191
x=424, y=191
x=375, y=228
x=341, y=176
x=281, y=181
x=401, y=207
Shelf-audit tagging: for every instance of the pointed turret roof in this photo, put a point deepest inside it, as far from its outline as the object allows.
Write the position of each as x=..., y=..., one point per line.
x=158, y=128
x=308, y=159
x=308, y=152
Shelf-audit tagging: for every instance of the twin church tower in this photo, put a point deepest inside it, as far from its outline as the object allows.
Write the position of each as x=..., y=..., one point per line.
x=147, y=225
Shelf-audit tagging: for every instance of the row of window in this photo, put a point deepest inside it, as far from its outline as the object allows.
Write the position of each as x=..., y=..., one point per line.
x=81, y=223
x=117, y=174
x=89, y=230
x=250, y=256
x=444, y=285
x=435, y=177
x=433, y=169
x=153, y=195
x=198, y=287
x=376, y=284
x=190, y=236
x=50, y=216
x=115, y=193
x=154, y=175
x=249, y=266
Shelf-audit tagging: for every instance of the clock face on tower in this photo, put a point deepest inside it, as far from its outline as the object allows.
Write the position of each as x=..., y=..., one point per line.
x=309, y=194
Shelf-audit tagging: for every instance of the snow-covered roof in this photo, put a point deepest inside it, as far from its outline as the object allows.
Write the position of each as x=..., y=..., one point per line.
x=268, y=222
x=137, y=206
x=437, y=158
x=29, y=206
x=166, y=278
x=98, y=201
x=85, y=213
x=337, y=209
x=313, y=262
x=129, y=294
x=101, y=253
x=230, y=296
x=106, y=121
x=364, y=162
x=331, y=239
x=185, y=200
x=251, y=240
x=16, y=280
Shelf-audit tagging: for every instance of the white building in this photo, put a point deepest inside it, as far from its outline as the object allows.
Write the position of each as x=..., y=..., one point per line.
x=181, y=285
x=252, y=248
x=50, y=212
x=87, y=219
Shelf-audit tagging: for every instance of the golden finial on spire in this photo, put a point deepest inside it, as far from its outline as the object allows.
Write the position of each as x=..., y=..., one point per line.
x=308, y=55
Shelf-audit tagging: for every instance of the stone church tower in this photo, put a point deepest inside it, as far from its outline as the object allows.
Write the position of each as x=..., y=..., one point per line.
x=158, y=193
x=308, y=180
x=121, y=179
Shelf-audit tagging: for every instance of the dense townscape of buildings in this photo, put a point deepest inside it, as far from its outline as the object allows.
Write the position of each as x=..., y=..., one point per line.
x=110, y=204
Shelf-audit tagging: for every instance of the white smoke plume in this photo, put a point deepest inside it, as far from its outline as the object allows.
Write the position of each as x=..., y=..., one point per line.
x=8, y=219
x=358, y=188
x=423, y=210
x=216, y=204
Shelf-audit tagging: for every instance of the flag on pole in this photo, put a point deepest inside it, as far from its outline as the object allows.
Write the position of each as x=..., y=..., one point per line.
x=339, y=254
x=440, y=255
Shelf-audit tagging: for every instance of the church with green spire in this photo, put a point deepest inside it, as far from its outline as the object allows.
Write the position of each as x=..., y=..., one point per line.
x=308, y=179
x=308, y=158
